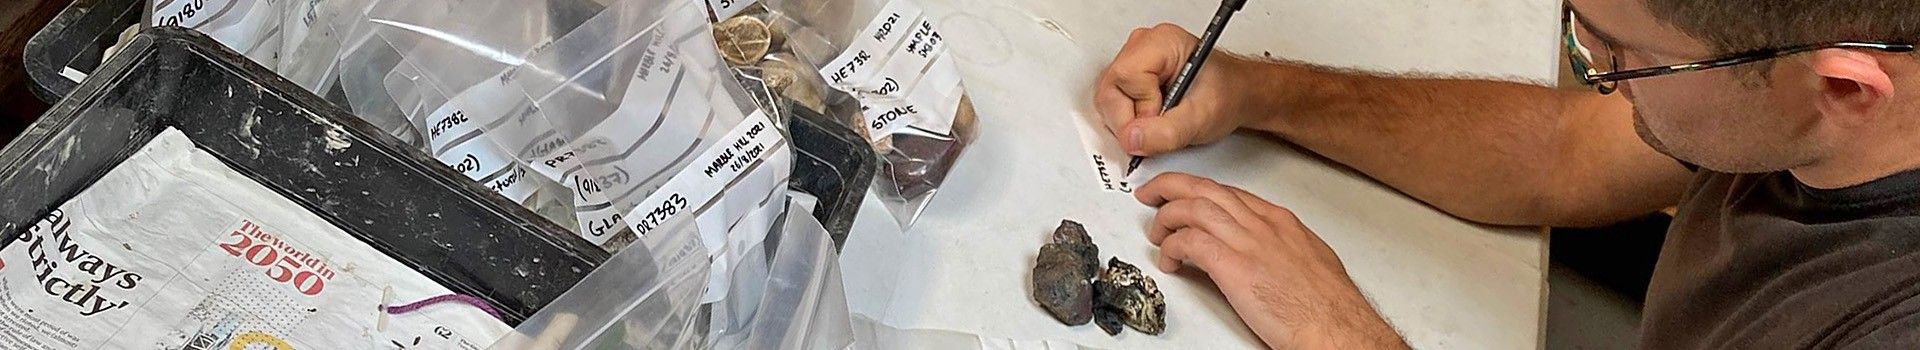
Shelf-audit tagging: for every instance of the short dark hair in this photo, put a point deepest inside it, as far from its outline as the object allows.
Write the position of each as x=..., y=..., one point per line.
x=1731, y=26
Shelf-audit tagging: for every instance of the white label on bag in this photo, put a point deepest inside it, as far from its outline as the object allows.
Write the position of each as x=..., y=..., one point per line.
x=513, y=184
x=467, y=112
x=914, y=89
x=855, y=66
x=188, y=13
x=477, y=158
x=929, y=105
x=698, y=184
x=905, y=65
x=724, y=9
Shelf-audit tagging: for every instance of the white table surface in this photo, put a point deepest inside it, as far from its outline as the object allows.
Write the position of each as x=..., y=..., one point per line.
x=1443, y=282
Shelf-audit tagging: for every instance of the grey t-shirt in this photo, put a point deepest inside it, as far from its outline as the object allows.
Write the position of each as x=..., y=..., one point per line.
x=1762, y=261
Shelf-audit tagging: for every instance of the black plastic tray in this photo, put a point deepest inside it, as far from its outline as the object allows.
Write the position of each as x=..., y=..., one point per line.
x=479, y=244
x=76, y=38
x=833, y=163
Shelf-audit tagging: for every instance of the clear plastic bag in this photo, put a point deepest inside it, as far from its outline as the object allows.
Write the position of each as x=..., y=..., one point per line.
x=445, y=92
x=646, y=297
x=250, y=27
x=899, y=88
x=634, y=96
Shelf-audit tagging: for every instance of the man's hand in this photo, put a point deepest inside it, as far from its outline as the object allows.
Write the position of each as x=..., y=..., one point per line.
x=1284, y=282
x=1128, y=95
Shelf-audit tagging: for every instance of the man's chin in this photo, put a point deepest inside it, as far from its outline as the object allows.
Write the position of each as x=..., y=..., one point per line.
x=1647, y=136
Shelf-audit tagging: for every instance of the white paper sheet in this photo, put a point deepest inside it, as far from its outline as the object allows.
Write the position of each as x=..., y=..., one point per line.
x=1029, y=67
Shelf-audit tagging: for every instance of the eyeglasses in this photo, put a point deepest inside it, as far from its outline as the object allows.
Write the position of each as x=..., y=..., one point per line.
x=1601, y=68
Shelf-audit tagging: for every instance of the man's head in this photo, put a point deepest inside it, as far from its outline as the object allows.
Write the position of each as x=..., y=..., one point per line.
x=1777, y=115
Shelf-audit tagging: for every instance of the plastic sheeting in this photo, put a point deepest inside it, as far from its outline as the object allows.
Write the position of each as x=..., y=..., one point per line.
x=639, y=299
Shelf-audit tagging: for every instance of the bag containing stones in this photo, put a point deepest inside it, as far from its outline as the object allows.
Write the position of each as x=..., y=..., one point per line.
x=447, y=85
x=879, y=67
x=640, y=118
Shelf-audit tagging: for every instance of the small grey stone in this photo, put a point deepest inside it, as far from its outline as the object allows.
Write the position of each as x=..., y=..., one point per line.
x=1089, y=257
x=1071, y=232
x=1061, y=285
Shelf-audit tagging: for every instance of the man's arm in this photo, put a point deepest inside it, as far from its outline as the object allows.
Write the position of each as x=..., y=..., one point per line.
x=1283, y=281
x=1493, y=152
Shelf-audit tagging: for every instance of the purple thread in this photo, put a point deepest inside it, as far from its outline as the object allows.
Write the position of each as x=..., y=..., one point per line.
x=463, y=298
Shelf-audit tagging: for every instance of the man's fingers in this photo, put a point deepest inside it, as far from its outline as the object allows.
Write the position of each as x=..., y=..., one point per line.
x=1167, y=133
x=1177, y=186
x=1130, y=87
x=1126, y=87
x=1262, y=207
x=1161, y=188
x=1198, y=213
x=1195, y=246
x=1116, y=109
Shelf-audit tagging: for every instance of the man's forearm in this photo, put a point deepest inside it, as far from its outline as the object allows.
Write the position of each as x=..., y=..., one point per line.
x=1480, y=150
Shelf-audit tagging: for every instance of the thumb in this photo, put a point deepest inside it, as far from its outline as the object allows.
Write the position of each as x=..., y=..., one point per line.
x=1159, y=135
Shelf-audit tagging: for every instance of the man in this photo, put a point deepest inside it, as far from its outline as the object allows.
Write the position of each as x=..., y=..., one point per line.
x=1787, y=132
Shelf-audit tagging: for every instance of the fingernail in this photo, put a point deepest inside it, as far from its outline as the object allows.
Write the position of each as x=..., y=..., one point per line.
x=1133, y=141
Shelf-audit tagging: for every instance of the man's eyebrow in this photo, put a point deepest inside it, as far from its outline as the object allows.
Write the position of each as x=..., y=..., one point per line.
x=1607, y=39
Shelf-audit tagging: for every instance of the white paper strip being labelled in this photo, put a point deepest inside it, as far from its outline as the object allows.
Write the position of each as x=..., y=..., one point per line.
x=711, y=172
x=1111, y=163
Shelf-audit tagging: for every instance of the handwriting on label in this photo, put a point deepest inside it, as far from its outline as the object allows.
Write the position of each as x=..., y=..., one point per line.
x=603, y=226
x=503, y=182
x=187, y=11
x=1106, y=179
x=467, y=165
x=924, y=40
x=886, y=27
x=673, y=206
x=657, y=57
x=888, y=87
x=452, y=120
x=846, y=71
x=881, y=122
x=736, y=156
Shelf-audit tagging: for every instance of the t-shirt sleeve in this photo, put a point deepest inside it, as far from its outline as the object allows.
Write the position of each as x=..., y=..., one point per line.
x=1900, y=334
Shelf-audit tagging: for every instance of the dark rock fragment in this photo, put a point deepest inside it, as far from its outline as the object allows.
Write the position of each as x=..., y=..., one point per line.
x=1061, y=285
x=1108, y=318
x=1122, y=286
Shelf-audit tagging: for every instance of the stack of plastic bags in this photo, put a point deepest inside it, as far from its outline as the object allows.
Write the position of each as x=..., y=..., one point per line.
x=619, y=119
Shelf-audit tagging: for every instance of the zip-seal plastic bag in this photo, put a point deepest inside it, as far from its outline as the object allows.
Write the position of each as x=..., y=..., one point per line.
x=645, y=298
x=649, y=127
x=891, y=80
x=446, y=86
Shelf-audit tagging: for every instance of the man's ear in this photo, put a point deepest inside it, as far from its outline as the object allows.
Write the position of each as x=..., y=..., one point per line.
x=1854, y=88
